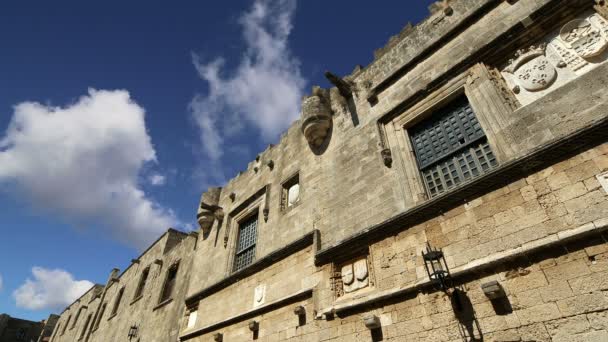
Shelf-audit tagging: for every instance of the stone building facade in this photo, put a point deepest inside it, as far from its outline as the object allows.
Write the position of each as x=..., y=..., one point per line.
x=455, y=189
x=16, y=330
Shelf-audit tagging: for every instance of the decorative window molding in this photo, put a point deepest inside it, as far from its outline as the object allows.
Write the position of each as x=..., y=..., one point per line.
x=101, y=312
x=603, y=179
x=86, y=326
x=451, y=147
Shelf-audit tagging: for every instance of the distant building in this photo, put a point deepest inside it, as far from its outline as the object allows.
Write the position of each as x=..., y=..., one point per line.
x=455, y=189
x=47, y=330
x=17, y=330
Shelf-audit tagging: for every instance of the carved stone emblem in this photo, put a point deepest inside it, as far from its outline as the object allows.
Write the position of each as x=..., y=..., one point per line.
x=259, y=295
x=532, y=70
x=355, y=275
x=584, y=38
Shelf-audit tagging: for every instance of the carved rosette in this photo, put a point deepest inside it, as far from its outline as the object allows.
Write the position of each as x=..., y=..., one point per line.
x=316, y=117
x=532, y=70
x=209, y=210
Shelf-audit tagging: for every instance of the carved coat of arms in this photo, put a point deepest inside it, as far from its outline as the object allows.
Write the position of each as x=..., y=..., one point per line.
x=355, y=276
x=584, y=38
x=532, y=70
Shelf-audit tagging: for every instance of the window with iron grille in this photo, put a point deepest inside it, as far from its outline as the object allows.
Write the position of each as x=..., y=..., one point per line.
x=245, y=247
x=451, y=147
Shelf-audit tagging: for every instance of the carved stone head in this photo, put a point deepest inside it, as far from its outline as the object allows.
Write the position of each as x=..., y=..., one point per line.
x=209, y=210
x=316, y=117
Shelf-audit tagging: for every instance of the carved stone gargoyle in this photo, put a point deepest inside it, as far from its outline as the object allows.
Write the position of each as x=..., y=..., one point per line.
x=209, y=210
x=316, y=116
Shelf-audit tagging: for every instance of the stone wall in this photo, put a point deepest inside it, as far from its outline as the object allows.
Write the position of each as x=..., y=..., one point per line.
x=349, y=249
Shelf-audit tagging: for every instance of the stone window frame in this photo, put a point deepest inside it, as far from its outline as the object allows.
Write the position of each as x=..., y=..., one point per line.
x=86, y=326
x=102, y=311
x=117, y=301
x=255, y=207
x=491, y=107
x=65, y=327
x=162, y=299
x=293, y=178
x=78, y=313
x=139, y=290
x=187, y=312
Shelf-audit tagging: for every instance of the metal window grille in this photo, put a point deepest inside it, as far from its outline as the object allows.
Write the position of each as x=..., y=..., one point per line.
x=245, y=248
x=451, y=147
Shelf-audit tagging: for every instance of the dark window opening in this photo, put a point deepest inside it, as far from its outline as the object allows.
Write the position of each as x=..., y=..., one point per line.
x=169, y=283
x=246, y=242
x=86, y=325
x=117, y=302
x=451, y=147
x=142, y=283
x=101, y=312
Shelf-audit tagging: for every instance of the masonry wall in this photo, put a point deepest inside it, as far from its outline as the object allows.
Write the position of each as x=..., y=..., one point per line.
x=536, y=223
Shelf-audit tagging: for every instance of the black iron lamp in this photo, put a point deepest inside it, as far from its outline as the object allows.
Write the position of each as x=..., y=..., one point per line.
x=133, y=332
x=437, y=268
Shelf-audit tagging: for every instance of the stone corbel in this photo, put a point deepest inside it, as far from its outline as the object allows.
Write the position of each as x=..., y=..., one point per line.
x=316, y=117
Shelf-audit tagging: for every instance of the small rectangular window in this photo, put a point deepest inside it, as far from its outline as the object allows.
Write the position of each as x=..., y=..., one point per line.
x=290, y=192
x=117, y=302
x=86, y=325
x=76, y=318
x=66, y=325
x=169, y=283
x=246, y=242
x=142, y=283
x=451, y=147
x=101, y=312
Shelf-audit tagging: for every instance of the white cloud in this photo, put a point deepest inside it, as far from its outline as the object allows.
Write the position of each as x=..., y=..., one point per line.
x=264, y=90
x=82, y=162
x=157, y=179
x=50, y=289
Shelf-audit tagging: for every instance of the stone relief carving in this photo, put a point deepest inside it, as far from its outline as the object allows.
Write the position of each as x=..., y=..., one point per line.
x=585, y=39
x=563, y=55
x=351, y=276
x=259, y=295
x=532, y=69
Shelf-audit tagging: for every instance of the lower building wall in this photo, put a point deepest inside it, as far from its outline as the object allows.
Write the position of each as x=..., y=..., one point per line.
x=557, y=294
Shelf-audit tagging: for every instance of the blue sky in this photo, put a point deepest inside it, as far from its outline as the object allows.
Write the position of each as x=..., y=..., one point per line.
x=116, y=115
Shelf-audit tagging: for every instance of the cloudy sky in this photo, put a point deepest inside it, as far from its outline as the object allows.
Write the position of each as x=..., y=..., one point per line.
x=115, y=116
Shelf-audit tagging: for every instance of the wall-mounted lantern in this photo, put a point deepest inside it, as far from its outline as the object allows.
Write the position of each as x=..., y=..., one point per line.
x=437, y=268
x=133, y=332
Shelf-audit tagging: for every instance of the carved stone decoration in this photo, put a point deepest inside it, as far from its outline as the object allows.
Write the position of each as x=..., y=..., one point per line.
x=316, y=117
x=209, y=210
x=259, y=295
x=387, y=157
x=355, y=275
x=532, y=70
x=584, y=38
